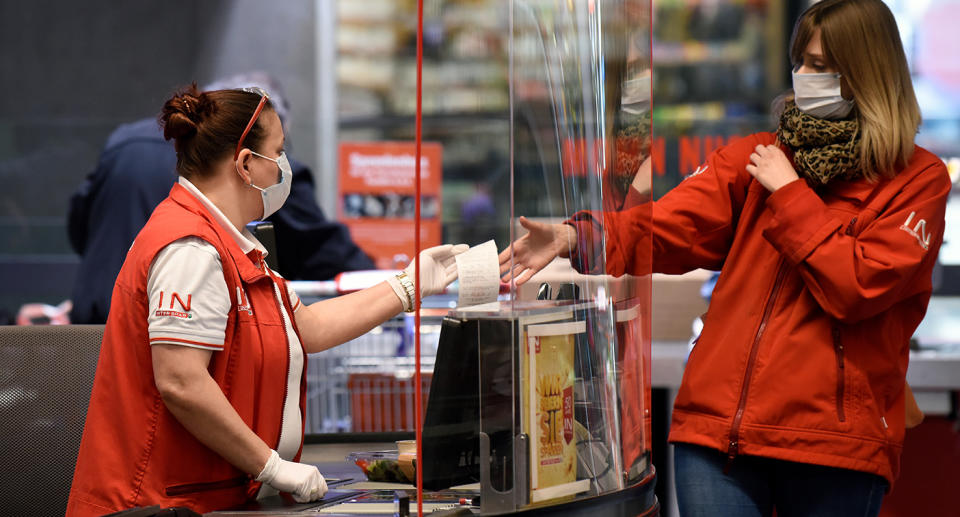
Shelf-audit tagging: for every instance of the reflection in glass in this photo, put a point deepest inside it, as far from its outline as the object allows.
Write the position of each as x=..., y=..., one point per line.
x=544, y=397
x=563, y=407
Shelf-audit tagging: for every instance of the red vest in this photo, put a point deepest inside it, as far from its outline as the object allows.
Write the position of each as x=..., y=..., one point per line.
x=134, y=451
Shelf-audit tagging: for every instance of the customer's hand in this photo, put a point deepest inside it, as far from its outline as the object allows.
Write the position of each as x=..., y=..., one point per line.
x=303, y=482
x=771, y=167
x=532, y=252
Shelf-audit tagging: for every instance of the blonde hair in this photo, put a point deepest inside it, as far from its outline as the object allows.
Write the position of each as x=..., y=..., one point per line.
x=861, y=40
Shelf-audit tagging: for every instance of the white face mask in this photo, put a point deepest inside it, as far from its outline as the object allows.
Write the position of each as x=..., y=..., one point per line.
x=275, y=195
x=818, y=95
x=636, y=95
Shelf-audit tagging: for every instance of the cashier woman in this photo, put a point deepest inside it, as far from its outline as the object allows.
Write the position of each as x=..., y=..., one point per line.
x=199, y=395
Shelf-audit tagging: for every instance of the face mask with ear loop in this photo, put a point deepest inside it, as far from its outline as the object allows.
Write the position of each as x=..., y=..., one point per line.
x=275, y=195
x=818, y=95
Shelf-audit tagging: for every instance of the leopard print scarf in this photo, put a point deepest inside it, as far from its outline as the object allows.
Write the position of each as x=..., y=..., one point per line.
x=823, y=149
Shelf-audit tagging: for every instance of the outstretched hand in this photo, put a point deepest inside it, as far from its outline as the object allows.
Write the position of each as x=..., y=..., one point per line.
x=438, y=268
x=532, y=252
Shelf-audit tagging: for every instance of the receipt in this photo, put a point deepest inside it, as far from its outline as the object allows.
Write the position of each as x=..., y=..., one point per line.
x=478, y=270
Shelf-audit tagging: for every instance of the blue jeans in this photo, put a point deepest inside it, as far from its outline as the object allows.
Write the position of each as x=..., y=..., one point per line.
x=755, y=486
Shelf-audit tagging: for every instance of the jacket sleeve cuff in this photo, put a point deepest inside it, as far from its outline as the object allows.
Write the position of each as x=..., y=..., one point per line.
x=585, y=258
x=800, y=222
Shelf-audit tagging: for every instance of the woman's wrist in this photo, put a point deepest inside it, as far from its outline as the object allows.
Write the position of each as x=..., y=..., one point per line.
x=402, y=286
x=568, y=240
x=269, y=466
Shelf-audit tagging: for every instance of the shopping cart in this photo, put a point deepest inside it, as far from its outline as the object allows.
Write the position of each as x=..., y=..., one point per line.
x=367, y=384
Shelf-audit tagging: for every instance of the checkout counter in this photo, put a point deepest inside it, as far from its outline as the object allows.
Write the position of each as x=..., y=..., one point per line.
x=351, y=494
x=538, y=407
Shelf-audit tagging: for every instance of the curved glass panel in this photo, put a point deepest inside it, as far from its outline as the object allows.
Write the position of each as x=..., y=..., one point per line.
x=541, y=110
x=581, y=148
x=544, y=396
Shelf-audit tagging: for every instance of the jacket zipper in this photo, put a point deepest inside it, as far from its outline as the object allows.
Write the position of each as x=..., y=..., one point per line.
x=841, y=385
x=849, y=230
x=838, y=349
x=733, y=448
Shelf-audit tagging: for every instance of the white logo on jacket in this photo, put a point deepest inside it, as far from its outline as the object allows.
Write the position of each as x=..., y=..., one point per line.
x=919, y=231
x=700, y=170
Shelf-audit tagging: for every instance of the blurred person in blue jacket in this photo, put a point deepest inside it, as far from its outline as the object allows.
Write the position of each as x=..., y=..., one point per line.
x=136, y=170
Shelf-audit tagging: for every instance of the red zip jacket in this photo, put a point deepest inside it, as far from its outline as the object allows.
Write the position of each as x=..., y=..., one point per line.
x=804, y=349
x=134, y=452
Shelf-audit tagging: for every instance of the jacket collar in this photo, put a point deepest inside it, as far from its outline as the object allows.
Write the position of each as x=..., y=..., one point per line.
x=246, y=250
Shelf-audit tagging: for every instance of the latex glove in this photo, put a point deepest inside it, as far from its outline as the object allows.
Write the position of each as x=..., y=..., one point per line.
x=438, y=268
x=303, y=482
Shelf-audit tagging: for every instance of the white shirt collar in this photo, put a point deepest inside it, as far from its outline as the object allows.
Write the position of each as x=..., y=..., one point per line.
x=245, y=240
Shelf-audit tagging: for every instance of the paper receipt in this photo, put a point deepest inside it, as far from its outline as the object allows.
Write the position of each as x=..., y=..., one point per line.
x=478, y=270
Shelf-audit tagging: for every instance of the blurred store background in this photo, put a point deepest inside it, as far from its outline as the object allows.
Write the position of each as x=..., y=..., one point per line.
x=73, y=71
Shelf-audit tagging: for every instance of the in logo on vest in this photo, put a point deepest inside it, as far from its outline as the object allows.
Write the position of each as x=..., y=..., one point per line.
x=184, y=310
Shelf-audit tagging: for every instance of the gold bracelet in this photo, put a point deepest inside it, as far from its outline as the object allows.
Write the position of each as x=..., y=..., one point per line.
x=408, y=287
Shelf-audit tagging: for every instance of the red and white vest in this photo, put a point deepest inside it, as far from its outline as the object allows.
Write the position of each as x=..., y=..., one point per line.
x=134, y=451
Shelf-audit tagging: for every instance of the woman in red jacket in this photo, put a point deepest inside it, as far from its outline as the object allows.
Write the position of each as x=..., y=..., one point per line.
x=825, y=233
x=200, y=388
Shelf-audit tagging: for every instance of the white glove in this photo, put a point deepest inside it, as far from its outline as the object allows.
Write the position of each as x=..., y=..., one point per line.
x=438, y=268
x=303, y=482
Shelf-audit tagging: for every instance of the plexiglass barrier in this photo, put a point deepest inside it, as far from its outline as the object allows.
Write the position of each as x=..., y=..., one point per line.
x=544, y=397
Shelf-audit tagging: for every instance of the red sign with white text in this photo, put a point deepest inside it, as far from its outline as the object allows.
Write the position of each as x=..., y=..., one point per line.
x=378, y=196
